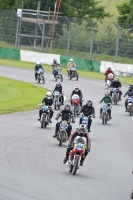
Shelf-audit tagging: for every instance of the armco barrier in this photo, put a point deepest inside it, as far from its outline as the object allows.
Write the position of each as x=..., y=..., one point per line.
x=81, y=63
x=13, y=54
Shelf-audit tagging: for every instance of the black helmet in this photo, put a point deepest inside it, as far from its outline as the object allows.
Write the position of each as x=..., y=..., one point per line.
x=130, y=87
x=67, y=107
x=89, y=102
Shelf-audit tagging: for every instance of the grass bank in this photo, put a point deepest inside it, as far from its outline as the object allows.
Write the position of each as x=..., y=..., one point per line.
x=86, y=74
x=19, y=96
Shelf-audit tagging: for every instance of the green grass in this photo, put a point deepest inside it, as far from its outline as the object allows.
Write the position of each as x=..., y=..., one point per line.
x=86, y=74
x=18, y=96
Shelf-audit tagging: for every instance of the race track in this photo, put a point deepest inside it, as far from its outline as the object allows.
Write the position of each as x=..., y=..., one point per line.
x=31, y=162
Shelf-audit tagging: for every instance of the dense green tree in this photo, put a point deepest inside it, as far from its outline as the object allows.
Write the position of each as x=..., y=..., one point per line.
x=126, y=13
x=79, y=9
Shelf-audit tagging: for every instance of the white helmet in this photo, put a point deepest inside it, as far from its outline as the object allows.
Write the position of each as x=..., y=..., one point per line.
x=71, y=59
x=49, y=94
x=38, y=63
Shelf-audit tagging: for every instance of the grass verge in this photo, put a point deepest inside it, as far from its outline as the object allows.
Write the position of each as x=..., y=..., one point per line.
x=19, y=96
x=86, y=74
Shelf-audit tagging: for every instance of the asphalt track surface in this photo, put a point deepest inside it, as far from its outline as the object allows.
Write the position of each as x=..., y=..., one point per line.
x=31, y=162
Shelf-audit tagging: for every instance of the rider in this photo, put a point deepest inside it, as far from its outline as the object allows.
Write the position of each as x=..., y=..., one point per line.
x=66, y=114
x=78, y=92
x=106, y=99
x=70, y=65
x=48, y=100
x=108, y=71
x=37, y=67
x=81, y=132
x=87, y=110
x=130, y=94
x=55, y=66
x=58, y=88
x=116, y=84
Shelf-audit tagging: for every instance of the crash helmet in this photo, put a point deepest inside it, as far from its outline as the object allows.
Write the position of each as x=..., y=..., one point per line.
x=71, y=59
x=109, y=68
x=54, y=61
x=89, y=103
x=67, y=107
x=38, y=63
x=116, y=79
x=107, y=94
x=82, y=128
x=48, y=94
x=58, y=84
x=76, y=88
x=130, y=87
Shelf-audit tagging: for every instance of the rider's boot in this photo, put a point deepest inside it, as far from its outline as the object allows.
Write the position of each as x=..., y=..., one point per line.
x=82, y=161
x=110, y=116
x=65, y=159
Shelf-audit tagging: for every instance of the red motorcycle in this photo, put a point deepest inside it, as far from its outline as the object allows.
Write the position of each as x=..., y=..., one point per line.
x=76, y=154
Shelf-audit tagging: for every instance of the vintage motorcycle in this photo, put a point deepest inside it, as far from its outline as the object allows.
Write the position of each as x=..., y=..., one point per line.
x=130, y=105
x=73, y=74
x=58, y=75
x=85, y=121
x=104, y=114
x=115, y=95
x=76, y=154
x=62, y=133
x=40, y=76
x=56, y=100
x=109, y=80
x=45, y=116
x=75, y=104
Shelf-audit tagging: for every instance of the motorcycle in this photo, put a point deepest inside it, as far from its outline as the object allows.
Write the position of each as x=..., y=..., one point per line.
x=104, y=114
x=56, y=100
x=45, y=117
x=62, y=133
x=115, y=95
x=75, y=102
x=40, y=75
x=76, y=154
x=58, y=75
x=109, y=80
x=73, y=74
x=85, y=121
x=130, y=105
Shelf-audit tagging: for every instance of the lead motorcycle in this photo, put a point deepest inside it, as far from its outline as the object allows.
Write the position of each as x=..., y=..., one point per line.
x=130, y=105
x=76, y=154
x=109, y=80
x=62, y=136
x=40, y=76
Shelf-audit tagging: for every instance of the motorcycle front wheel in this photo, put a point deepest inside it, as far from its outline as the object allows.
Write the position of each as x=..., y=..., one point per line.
x=75, y=167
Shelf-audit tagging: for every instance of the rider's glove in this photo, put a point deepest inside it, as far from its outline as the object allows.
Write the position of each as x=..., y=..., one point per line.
x=56, y=118
x=88, y=150
x=73, y=121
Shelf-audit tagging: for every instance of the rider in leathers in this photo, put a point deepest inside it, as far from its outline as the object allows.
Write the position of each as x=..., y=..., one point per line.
x=58, y=88
x=107, y=72
x=78, y=92
x=82, y=133
x=87, y=110
x=48, y=100
x=116, y=84
x=55, y=65
x=130, y=94
x=66, y=114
